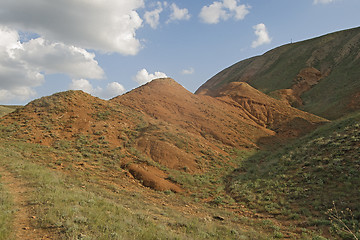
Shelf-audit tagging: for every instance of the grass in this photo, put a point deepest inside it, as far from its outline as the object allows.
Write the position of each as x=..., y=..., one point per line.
x=82, y=190
x=6, y=210
x=302, y=180
x=77, y=205
x=6, y=109
x=344, y=223
x=335, y=55
x=210, y=185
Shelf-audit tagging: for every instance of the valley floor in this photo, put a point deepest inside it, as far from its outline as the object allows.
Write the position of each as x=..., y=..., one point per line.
x=46, y=202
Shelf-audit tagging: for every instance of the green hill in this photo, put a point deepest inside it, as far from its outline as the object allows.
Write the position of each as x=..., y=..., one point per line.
x=6, y=109
x=320, y=75
x=305, y=179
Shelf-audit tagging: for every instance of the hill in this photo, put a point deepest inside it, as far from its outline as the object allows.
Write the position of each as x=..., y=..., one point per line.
x=307, y=178
x=5, y=109
x=156, y=126
x=159, y=162
x=63, y=192
x=220, y=117
x=93, y=127
x=102, y=155
x=319, y=75
x=286, y=121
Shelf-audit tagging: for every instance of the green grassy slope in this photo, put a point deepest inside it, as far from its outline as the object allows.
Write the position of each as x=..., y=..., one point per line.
x=303, y=180
x=5, y=109
x=81, y=189
x=6, y=209
x=76, y=203
x=335, y=55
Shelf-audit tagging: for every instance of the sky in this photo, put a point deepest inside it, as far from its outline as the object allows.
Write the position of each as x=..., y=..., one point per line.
x=109, y=47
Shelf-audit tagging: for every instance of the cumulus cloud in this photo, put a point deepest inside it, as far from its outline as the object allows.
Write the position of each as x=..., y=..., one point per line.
x=214, y=13
x=223, y=10
x=108, y=26
x=52, y=58
x=21, y=93
x=188, y=71
x=16, y=77
x=82, y=84
x=323, y=1
x=178, y=13
x=112, y=89
x=143, y=76
x=262, y=35
x=23, y=65
x=153, y=17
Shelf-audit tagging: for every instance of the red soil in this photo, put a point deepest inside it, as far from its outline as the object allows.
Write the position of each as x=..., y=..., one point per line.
x=304, y=81
x=286, y=121
x=163, y=122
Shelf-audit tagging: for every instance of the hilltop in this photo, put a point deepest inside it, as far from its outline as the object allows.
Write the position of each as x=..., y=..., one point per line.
x=236, y=124
x=161, y=122
x=320, y=75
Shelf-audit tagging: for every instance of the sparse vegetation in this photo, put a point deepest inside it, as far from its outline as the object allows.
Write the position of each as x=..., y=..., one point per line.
x=162, y=163
x=6, y=109
x=344, y=223
x=76, y=206
x=6, y=210
x=102, y=116
x=334, y=96
x=318, y=169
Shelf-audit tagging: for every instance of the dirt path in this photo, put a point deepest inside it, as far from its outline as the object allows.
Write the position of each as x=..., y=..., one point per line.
x=24, y=220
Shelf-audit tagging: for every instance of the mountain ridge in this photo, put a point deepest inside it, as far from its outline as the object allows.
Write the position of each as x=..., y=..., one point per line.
x=334, y=58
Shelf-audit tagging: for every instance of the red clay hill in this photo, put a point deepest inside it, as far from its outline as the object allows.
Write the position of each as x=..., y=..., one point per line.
x=278, y=116
x=160, y=125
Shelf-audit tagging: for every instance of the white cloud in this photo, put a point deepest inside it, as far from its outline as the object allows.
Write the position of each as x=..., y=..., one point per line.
x=9, y=39
x=323, y=1
x=178, y=13
x=19, y=93
x=16, y=77
x=262, y=34
x=188, y=71
x=108, y=26
x=23, y=65
x=223, y=10
x=214, y=13
x=112, y=89
x=153, y=17
x=54, y=58
x=143, y=76
x=82, y=84
x=241, y=12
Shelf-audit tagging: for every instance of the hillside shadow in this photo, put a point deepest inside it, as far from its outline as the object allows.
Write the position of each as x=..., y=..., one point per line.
x=288, y=132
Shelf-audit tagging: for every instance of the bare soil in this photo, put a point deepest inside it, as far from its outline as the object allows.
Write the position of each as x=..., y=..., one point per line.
x=24, y=224
x=304, y=81
x=164, y=123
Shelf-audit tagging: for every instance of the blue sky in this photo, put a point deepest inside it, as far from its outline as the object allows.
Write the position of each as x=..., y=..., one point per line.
x=108, y=47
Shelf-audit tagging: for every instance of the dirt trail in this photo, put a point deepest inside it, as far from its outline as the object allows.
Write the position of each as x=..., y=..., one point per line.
x=24, y=220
